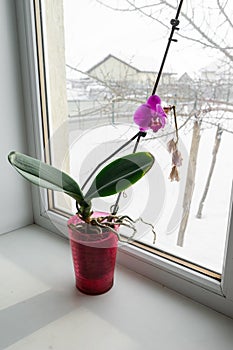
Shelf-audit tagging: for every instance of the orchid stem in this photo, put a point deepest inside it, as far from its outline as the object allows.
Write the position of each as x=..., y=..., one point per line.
x=109, y=157
x=174, y=22
x=116, y=205
x=176, y=126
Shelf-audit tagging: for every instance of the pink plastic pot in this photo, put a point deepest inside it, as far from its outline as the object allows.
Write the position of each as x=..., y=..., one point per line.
x=94, y=257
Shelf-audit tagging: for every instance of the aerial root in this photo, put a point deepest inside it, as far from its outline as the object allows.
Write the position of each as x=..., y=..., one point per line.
x=111, y=222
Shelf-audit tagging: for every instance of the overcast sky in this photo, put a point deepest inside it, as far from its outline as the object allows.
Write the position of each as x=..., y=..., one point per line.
x=93, y=31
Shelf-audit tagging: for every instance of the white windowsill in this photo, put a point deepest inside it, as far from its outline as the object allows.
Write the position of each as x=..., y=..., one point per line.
x=41, y=309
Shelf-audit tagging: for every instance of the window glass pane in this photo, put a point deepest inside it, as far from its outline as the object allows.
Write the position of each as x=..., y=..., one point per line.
x=102, y=61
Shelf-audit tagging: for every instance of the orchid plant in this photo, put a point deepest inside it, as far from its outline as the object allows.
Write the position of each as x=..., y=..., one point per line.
x=114, y=178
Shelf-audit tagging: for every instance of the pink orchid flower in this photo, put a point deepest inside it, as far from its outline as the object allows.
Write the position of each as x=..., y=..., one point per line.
x=150, y=115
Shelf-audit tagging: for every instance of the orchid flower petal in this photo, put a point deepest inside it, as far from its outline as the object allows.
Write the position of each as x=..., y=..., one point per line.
x=177, y=158
x=153, y=101
x=142, y=116
x=171, y=146
x=151, y=115
x=174, y=175
x=160, y=112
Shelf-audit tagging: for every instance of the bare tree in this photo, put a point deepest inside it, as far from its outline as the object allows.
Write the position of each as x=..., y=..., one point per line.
x=217, y=142
x=208, y=24
x=190, y=180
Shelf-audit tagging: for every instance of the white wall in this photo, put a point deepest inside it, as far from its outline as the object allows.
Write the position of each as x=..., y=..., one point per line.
x=15, y=196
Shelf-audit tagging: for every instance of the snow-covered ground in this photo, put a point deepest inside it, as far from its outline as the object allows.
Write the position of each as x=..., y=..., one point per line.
x=159, y=201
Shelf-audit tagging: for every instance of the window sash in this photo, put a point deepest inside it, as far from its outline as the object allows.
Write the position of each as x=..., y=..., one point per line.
x=215, y=293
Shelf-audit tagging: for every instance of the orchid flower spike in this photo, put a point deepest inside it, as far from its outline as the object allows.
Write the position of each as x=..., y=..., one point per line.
x=150, y=115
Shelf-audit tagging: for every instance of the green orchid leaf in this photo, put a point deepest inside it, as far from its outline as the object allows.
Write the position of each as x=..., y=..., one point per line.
x=120, y=174
x=44, y=175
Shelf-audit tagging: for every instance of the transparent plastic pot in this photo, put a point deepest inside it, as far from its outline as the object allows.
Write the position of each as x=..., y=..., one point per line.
x=94, y=256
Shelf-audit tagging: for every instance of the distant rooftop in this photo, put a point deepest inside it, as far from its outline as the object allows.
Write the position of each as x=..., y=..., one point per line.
x=110, y=56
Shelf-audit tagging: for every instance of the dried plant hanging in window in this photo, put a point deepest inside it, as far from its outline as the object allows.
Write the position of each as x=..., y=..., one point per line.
x=172, y=146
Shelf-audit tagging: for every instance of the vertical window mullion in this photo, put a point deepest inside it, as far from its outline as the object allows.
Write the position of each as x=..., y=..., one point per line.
x=227, y=280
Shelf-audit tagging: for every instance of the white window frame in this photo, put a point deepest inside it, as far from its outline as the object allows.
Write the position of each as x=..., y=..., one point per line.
x=210, y=292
